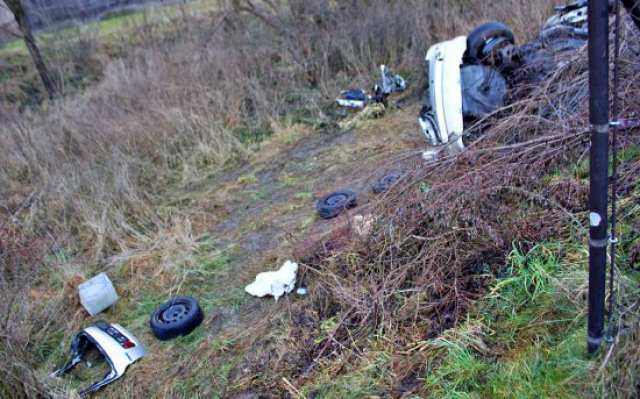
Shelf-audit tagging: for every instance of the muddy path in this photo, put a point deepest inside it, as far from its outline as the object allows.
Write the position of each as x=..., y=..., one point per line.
x=254, y=213
x=273, y=194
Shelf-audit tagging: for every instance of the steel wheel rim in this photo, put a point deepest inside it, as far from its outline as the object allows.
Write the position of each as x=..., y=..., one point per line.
x=174, y=313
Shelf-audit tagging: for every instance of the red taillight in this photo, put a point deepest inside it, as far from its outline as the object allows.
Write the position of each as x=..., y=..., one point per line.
x=128, y=345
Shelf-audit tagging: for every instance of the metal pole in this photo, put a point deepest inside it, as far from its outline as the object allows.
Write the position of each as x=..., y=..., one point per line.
x=599, y=166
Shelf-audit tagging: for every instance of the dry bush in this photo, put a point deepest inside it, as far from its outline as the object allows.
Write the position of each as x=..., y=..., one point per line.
x=25, y=345
x=622, y=375
x=445, y=230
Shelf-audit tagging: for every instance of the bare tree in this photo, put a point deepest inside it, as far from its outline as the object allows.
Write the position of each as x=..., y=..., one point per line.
x=17, y=7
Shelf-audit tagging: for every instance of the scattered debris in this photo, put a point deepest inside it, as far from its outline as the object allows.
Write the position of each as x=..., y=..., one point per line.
x=97, y=294
x=363, y=224
x=119, y=347
x=331, y=205
x=352, y=98
x=179, y=316
x=564, y=31
x=274, y=283
x=302, y=291
x=570, y=18
x=385, y=182
x=389, y=84
x=358, y=98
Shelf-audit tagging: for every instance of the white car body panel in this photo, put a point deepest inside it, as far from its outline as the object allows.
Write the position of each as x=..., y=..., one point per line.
x=109, y=339
x=351, y=103
x=120, y=358
x=445, y=89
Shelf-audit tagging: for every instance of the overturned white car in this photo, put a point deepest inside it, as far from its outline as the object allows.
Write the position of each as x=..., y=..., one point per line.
x=464, y=82
x=469, y=75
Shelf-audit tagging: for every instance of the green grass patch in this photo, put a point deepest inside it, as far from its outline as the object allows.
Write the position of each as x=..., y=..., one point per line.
x=306, y=222
x=139, y=310
x=255, y=134
x=362, y=382
x=54, y=345
x=535, y=338
x=248, y=179
x=288, y=209
x=189, y=339
x=538, y=371
x=254, y=225
x=216, y=263
x=235, y=296
x=303, y=196
x=261, y=195
x=290, y=180
x=292, y=138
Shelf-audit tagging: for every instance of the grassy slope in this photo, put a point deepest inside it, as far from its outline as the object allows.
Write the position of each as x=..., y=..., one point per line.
x=249, y=216
x=525, y=339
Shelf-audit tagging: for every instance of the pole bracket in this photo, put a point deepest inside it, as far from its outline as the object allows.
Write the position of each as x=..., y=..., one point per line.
x=594, y=340
x=600, y=128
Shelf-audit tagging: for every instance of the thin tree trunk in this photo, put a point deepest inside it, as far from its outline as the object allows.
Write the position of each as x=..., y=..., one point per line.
x=20, y=14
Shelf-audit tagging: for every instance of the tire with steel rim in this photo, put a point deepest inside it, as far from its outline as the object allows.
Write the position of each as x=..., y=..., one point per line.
x=331, y=205
x=482, y=37
x=385, y=182
x=179, y=316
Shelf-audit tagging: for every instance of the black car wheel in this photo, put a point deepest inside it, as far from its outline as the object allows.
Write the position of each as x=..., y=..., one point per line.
x=331, y=205
x=179, y=316
x=385, y=182
x=486, y=37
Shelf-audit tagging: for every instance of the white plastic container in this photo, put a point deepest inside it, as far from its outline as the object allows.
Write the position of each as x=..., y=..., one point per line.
x=97, y=294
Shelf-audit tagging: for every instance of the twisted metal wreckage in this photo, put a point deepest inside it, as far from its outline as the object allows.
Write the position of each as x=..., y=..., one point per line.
x=469, y=75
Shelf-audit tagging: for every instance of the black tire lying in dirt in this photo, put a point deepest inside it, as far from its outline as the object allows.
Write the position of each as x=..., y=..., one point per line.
x=481, y=37
x=331, y=205
x=178, y=316
x=385, y=182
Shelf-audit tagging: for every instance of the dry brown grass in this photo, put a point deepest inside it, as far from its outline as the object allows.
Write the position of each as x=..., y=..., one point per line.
x=93, y=164
x=86, y=180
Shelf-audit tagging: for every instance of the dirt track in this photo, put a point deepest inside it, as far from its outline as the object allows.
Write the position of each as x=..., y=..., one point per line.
x=257, y=213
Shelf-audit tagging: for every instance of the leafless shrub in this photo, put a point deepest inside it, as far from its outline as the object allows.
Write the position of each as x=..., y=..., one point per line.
x=447, y=227
x=23, y=345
